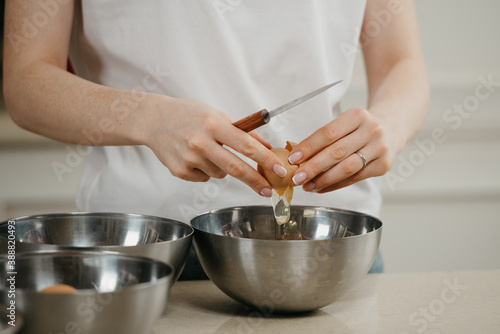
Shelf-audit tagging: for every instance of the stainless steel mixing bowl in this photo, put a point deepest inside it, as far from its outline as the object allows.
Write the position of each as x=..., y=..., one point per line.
x=116, y=292
x=251, y=266
x=155, y=237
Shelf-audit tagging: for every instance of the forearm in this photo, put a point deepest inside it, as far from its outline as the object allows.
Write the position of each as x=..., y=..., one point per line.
x=329, y=159
x=186, y=135
x=363, y=143
x=397, y=81
x=400, y=99
x=47, y=100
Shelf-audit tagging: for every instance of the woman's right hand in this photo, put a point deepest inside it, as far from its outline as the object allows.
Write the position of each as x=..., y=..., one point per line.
x=188, y=136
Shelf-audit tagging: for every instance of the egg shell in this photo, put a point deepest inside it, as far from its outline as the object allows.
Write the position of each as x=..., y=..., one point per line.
x=290, y=145
x=274, y=180
x=59, y=288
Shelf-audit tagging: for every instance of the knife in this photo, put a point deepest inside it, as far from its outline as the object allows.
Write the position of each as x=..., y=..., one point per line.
x=263, y=116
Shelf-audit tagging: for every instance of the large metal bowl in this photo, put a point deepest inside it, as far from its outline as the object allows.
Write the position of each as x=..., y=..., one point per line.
x=116, y=292
x=239, y=252
x=159, y=238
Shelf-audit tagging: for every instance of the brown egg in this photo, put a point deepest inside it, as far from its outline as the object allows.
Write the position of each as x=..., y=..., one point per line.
x=274, y=180
x=59, y=288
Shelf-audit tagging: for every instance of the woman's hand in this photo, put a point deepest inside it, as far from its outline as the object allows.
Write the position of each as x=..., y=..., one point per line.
x=188, y=136
x=328, y=156
x=398, y=99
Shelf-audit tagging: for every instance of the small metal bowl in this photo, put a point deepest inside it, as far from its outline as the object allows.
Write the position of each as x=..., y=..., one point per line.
x=239, y=252
x=115, y=292
x=159, y=238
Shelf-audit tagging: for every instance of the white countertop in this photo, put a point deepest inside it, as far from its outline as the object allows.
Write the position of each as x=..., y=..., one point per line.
x=442, y=302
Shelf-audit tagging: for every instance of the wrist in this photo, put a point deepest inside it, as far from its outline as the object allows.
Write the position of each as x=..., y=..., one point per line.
x=144, y=117
x=395, y=130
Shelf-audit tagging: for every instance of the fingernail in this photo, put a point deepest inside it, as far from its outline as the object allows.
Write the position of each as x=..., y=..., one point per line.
x=295, y=157
x=309, y=186
x=299, y=178
x=279, y=170
x=266, y=192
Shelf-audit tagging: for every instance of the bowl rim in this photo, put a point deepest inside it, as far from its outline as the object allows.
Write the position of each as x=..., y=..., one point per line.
x=85, y=292
x=188, y=227
x=325, y=208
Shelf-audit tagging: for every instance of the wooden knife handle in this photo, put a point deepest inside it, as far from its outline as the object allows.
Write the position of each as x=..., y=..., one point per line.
x=253, y=121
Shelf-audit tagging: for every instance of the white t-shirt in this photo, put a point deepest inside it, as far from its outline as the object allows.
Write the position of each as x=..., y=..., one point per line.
x=237, y=56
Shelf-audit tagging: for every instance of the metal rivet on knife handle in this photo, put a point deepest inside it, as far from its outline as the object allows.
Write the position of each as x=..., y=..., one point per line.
x=253, y=121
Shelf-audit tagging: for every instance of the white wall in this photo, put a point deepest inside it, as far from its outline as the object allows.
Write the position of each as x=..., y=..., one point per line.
x=28, y=183
x=446, y=213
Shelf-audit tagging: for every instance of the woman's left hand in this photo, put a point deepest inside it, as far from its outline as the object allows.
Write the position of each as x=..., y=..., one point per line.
x=329, y=156
x=397, y=107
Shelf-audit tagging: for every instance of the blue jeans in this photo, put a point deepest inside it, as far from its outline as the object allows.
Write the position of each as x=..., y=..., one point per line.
x=194, y=271
x=378, y=264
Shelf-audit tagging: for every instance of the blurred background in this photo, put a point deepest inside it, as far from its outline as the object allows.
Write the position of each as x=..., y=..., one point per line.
x=442, y=198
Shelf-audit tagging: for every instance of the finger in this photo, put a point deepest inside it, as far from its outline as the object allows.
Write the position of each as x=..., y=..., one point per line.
x=254, y=133
x=192, y=160
x=349, y=167
x=375, y=167
x=364, y=173
x=346, y=123
x=251, y=148
x=211, y=169
x=237, y=168
x=261, y=139
x=189, y=174
x=328, y=157
x=228, y=118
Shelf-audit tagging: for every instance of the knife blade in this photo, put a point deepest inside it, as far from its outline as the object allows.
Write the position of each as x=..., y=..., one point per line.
x=263, y=116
